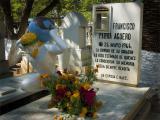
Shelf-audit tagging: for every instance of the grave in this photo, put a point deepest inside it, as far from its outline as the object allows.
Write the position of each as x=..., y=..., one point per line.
x=119, y=103
x=113, y=40
x=117, y=33
x=78, y=54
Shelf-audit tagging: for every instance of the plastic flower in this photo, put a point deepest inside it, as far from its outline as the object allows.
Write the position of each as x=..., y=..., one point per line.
x=40, y=43
x=35, y=53
x=28, y=39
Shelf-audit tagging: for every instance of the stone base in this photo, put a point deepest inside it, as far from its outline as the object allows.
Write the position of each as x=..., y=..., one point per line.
x=119, y=103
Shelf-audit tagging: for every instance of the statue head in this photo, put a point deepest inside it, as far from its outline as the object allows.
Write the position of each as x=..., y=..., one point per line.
x=41, y=26
x=42, y=31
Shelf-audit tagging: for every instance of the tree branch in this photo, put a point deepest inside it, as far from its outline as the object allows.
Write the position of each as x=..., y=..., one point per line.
x=6, y=6
x=24, y=19
x=48, y=8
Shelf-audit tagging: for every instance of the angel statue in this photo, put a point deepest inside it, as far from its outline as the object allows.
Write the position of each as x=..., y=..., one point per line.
x=43, y=45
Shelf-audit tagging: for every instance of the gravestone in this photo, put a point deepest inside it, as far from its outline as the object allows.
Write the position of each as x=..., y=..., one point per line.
x=78, y=53
x=117, y=33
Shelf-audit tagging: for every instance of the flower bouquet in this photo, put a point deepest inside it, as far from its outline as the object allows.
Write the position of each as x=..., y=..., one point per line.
x=73, y=93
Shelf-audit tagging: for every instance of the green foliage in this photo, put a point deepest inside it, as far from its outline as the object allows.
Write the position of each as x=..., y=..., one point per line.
x=17, y=8
x=50, y=83
x=65, y=6
x=83, y=6
x=90, y=75
x=39, y=5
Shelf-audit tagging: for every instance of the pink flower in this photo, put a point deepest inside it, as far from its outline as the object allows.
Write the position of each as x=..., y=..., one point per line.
x=88, y=96
x=61, y=92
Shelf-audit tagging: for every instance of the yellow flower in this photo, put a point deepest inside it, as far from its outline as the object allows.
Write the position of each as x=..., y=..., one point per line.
x=71, y=77
x=64, y=76
x=84, y=110
x=55, y=117
x=45, y=75
x=68, y=93
x=98, y=105
x=40, y=43
x=76, y=81
x=94, y=115
x=76, y=95
x=35, y=53
x=82, y=115
x=60, y=117
x=28, y=39
x=86, y=86
x=60, y=86
x=70, y=107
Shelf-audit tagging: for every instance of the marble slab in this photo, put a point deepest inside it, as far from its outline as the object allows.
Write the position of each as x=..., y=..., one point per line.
x=18, y=91
x=118, y=102
x=6, y=90
x=20, y=85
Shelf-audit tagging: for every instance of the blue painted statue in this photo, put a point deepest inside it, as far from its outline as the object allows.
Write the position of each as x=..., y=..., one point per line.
x=43, y=44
